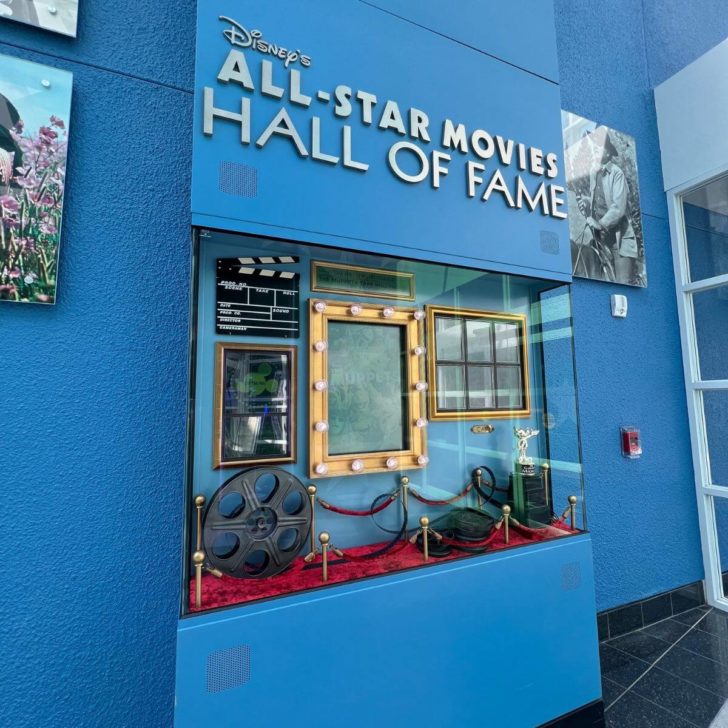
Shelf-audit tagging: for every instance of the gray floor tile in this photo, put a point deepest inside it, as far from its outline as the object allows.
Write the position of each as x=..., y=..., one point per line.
x=610, y=691
x=707, y=645
x=680, y=697
x=641, y=645
x=669, y=630
x=690, y=617
x=620, y=667
x=716, y=623
x=696, y=669
x=633, y=711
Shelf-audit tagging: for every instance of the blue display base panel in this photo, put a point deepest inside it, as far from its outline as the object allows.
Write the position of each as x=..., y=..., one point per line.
x=506, y=640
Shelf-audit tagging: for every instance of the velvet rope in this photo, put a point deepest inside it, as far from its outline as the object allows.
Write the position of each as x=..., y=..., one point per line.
x=456, y=497
x=348, y=512
x=471, y=544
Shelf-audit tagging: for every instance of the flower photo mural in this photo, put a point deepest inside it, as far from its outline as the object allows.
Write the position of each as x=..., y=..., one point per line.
x=35, y=105
x=58, y=16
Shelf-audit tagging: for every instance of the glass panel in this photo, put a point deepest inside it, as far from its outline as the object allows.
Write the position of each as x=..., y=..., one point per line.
x=480, y=388
x=706, y=229
x=451, y=387
x=508, y=394
x=449, y=339
x=506, y=343
x=720, y=506
x=711, y=332
x=479, y=333
x=256, y=394
x=715, y=405
x=368, y=375
x=367, y=409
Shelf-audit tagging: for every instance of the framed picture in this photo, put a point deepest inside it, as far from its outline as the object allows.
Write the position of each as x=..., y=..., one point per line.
x=255, y=404
x=366, y=388
x=478, y=364
x=58, y=16
x=327, y=277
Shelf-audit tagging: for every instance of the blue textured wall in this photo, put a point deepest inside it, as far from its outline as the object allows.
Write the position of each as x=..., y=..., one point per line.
x=642, y=513
x=93, y=415
x=94, y=388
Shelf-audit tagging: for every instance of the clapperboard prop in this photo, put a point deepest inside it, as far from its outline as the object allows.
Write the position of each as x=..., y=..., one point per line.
x=257, y=301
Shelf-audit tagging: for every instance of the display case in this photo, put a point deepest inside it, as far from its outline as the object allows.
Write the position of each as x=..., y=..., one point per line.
x=355, y=415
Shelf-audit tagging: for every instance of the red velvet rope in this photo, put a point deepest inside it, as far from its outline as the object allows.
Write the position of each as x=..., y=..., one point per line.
x=348, y=512
x=447, y=502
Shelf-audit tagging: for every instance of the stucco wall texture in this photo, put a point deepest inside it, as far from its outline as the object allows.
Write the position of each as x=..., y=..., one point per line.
x=94, y=388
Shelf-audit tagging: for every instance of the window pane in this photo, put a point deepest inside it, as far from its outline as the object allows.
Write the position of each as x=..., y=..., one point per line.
x=508, y=395
x=715, y=404
x=479, y=340
x=711, y=332
x=451, y=387
x=706, y=229
x=480, y=388
x=449, y=339
x=506, y=343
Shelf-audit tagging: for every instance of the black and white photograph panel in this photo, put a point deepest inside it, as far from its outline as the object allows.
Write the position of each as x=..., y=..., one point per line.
x=605, y=224
x=58, y=16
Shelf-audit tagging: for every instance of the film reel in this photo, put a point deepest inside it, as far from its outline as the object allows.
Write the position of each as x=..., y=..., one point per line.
x=256, y=523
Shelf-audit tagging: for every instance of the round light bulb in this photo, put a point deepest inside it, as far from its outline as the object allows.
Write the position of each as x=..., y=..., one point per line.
x=321, y=426
x=355, y=309
x=387, y=312
x=421, y=386
x=421, y=422
x=418, y=350
x=320, y=385
x=321, y=469
x=321, y=345
x=319, y=306
x=357, y=466
x=392, y=463
x=419, y=315
x=422, y=460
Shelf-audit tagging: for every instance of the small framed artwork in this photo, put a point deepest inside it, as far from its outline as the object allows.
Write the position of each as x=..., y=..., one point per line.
x=255, y=404
x=478, y=364
x=367, y=388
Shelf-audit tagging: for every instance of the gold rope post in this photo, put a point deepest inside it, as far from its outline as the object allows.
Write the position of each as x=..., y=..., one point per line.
x=506, y=522
x=311, y=555
x=424, y=525
x=198, y=559
x=324, y=539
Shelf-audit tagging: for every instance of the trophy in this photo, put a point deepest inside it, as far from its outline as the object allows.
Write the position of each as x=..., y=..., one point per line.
x=529, y=493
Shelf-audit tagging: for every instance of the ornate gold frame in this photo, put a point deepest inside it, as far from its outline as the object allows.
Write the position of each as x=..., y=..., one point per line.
x=321, y=464
x=315, y=264
x=434, y=413
x=220, y=348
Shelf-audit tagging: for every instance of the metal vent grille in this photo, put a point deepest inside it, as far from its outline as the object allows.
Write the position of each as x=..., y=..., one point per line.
x=228, y=668
x=571, y=576
x=238, y=179
x=549, y=242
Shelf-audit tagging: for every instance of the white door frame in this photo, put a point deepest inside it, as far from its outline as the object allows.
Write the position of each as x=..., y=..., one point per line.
x=705, y=491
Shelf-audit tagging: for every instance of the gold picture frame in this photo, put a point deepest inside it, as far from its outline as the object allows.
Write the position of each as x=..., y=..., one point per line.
x=435, y=413
x=317, y=265
x=321, y=462
x=218, y=459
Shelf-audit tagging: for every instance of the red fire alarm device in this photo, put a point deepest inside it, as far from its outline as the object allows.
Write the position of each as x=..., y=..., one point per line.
x=631, y=442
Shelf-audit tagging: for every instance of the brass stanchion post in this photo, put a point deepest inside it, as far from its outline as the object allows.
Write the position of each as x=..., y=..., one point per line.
x=404, y=482
x=324, y=539
x=311, y=490
x=506, y=522
x=572, y=511
x=199, y=505
x=198, y=559
x=424, y=525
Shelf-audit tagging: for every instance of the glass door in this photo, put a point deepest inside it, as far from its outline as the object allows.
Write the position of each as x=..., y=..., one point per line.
x=699, y=218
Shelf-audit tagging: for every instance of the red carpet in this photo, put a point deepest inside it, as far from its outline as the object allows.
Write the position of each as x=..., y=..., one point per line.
x=225, y=591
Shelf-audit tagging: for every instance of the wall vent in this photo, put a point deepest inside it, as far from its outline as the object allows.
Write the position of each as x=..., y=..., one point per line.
x=571, y=576
x=549, y=242
x=238, y=179
x=228, y=668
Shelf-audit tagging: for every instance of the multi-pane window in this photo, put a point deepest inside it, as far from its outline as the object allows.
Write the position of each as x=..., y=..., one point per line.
x=478, y=364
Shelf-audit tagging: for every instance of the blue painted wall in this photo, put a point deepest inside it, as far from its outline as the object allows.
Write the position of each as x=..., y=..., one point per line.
x=93, y=416
x=94, y=388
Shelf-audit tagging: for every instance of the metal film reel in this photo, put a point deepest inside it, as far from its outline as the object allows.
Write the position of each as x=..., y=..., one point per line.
x=256, y=523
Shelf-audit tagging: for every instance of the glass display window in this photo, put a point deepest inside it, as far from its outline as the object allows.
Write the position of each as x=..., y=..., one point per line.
x=354, y=416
